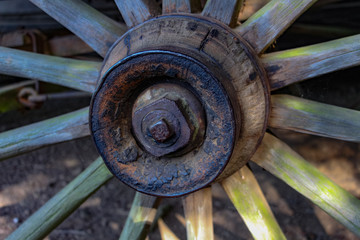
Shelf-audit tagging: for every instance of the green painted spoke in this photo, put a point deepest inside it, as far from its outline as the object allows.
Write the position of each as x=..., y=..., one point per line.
x=277, y=158
x=93, y=27
x=314, y=118
x=55, y=130
x=71, y=73
x=58, y=208
x=141, y=216
x=262, y=28
x=135, y=12
x=226, y=11
x=246, y=195
x=198, y=215
x=180, y=6
x=291, y=66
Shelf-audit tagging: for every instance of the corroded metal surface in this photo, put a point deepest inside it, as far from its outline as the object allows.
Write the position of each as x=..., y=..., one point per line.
x=182, y=115
x=161, y=128
x=111, y=122
x=217, y=66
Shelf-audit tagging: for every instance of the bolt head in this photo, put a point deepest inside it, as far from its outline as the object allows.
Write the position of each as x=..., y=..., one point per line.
x=161, y=128
x=161, y=131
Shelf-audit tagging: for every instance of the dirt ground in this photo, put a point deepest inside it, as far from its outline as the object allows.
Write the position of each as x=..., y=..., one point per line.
x=28, y=181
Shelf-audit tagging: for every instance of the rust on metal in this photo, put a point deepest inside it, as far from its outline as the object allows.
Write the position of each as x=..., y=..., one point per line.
x=129, y=89
x=25, y=96
x=181, y=113
x=217, y=67
x=161, y=131
x=163, y=110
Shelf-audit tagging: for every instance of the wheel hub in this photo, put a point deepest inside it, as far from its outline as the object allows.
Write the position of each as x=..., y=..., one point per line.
x=181, y=101
x=168, y=119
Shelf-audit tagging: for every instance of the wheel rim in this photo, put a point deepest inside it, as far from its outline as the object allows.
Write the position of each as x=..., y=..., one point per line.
x=284, y=106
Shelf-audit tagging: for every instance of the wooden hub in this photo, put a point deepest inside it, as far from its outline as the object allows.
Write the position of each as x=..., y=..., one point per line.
x=181, y=101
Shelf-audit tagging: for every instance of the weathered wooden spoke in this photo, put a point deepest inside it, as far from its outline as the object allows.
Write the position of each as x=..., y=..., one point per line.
x=55, y=130
x=183, y=102
x=277, y=158
x=226, y=11
x=290, y=66
x=135, y=12
x=198, y=215
x=93, y=27
x=314, y=118
x=50, y=215
x=71, y=73
x=180, y=6
x=262, y=28
x=246, y=195
x=141, y=216
x=165, y=231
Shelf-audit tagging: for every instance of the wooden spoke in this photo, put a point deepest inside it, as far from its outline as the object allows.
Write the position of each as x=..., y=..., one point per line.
x=140, y=218
x=262, y=28
x=93, y=27
x=55, y=130
x=290, y=66
x=198, y=215
x=246, y=195
x=63, y=203
x=71, y=73
x=226, y=11
x=277, y=158
x=165, y=232
x=135, y=12
x=180, y=6
x=315, y=118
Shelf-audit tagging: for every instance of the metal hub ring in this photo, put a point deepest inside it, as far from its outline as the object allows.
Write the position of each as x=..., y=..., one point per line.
x=111, y=124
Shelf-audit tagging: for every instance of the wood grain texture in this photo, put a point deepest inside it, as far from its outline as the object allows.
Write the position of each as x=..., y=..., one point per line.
x=55, y=130
x=226, y=11
x=262, y=28
x=246, y=81
x=180, y=6
x=165, y=231
x=58, y=208
x=301, y=115
x=135, y=12
x=78, y=74
x=246, y=195
x=93, y=27
x=291, y=66
x=198, y=215
x=277, y=158
x=140, y=218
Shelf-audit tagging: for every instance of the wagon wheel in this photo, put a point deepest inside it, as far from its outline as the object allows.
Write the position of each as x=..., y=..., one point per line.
x=182, y=101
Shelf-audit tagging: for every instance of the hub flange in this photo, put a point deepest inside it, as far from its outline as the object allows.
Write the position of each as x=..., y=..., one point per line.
x=119, y=135
x=217, y=67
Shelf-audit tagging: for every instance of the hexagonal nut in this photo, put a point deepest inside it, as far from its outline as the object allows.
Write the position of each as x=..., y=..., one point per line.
x=166, y=109
x=161, y=131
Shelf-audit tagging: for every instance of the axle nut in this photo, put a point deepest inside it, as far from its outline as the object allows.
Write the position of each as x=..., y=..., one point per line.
x=161, y=127
x=161, y=131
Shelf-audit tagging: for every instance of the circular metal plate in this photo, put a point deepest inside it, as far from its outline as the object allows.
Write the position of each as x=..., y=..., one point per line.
x=110, y=122
x=231, y=60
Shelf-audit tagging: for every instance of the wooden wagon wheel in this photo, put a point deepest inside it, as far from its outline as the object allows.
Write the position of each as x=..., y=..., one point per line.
x=181, y=101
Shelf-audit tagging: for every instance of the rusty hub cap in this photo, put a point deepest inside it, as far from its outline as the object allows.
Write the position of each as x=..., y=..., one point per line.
x=169, y=110
x=168, y=119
